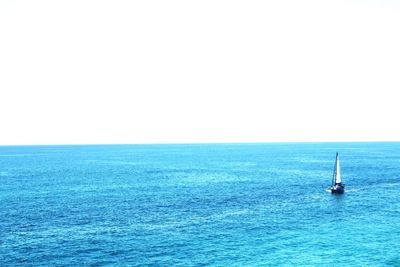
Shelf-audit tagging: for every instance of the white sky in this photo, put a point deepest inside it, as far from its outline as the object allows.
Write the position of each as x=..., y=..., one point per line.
x=95, y=71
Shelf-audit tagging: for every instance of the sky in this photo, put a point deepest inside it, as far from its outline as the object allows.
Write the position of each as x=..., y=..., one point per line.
x=96, y=71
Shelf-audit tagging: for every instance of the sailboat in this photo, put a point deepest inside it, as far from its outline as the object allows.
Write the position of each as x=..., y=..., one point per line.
x=337, y=186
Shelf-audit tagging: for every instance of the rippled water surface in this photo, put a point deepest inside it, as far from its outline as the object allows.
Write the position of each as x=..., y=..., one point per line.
x=216, y=205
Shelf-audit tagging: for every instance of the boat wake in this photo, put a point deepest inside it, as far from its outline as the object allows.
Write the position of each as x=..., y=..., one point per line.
x=347, y=190
x=354, y=190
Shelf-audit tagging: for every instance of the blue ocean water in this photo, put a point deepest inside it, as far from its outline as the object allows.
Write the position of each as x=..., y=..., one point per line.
x=190, y=205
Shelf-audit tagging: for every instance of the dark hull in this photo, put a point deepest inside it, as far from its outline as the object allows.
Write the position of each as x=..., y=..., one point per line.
x=337, y=190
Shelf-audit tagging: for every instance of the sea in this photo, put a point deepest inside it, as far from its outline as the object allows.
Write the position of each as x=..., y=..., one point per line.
x=264, y=204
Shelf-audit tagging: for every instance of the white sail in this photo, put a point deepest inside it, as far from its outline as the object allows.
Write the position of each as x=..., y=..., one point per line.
x=338, y=178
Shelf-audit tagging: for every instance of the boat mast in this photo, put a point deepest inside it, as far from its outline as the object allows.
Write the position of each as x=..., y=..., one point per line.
x=335, y=170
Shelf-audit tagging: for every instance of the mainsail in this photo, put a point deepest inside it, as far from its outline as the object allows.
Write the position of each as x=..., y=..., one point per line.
x=337, y=168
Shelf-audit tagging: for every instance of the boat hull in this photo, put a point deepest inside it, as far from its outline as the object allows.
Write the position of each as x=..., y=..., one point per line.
x=337, y=190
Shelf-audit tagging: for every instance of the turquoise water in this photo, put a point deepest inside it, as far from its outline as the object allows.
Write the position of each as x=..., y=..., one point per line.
x=188, y=205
